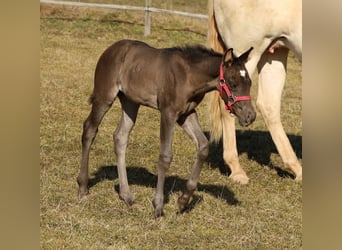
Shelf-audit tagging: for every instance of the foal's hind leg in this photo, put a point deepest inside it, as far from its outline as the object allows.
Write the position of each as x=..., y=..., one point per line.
x=192, y=127
x=90, y=128
x=128, y=118
x=167, y=125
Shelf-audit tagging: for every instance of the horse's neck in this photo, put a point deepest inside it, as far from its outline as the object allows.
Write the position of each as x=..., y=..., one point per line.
x=207, y=74
x=210, y=67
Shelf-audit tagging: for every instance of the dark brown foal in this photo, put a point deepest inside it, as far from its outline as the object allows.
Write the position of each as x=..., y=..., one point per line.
x=174, y=81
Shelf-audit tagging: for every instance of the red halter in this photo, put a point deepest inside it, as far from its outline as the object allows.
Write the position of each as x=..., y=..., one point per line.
x=231, y=98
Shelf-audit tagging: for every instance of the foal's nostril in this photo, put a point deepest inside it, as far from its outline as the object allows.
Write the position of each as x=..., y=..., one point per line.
x=251, y=116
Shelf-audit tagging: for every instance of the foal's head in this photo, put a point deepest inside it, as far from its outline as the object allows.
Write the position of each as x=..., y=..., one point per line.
x=235, y=85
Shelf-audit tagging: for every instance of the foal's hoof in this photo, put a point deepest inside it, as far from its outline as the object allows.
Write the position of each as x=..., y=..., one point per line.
x=183, y=203
x=158, y=208
x=158, y=213
x=240, y=178
x=127, y=198
x=82, y=192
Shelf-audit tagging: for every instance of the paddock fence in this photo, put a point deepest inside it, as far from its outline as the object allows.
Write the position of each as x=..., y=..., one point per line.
x=147, y=9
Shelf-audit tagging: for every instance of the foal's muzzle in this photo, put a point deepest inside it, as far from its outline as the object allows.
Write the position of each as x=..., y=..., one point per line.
x=245, y=113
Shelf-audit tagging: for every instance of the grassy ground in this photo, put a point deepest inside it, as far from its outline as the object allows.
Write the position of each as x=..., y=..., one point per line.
x=265, y=214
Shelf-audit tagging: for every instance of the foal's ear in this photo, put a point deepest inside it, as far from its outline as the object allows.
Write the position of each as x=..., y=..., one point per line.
x=228, y=57
x=244, y=57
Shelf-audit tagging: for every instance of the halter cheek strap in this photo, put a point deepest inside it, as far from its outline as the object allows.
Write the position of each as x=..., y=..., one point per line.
x=232, y=99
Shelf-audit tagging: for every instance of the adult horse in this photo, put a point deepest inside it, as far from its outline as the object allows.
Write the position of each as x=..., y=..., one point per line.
x=272, y=28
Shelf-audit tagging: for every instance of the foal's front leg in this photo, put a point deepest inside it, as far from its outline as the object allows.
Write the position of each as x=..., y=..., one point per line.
x=192, y=127
x=167, y=126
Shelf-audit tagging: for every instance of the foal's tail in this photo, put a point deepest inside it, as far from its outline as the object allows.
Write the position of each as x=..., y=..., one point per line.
x=215, y=42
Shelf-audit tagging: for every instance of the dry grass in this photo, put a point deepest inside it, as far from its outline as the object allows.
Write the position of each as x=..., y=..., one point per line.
x=266, y=214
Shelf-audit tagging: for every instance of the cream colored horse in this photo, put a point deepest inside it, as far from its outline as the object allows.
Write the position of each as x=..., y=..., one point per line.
x=272, y=27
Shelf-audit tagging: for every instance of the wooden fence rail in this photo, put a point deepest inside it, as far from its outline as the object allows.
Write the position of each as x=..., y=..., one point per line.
x=147, y=10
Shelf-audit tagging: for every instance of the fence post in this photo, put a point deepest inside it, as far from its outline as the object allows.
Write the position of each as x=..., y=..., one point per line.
x=147, y=18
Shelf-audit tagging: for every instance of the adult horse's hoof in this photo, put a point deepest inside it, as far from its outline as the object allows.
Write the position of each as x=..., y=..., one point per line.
x=240, y=178
x=299, y=178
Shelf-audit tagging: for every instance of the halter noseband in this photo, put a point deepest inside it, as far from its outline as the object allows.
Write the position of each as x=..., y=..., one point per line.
x=232, y=99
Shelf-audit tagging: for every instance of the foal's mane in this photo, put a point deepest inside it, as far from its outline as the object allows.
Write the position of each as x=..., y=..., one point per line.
x=193, y=52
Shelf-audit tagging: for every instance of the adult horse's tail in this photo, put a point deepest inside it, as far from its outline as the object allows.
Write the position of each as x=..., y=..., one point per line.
x=214, y=38
x=215, y=42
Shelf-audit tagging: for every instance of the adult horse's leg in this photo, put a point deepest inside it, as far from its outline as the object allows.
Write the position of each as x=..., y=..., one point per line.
x=230, y=153
x=223, y=123
x=272, y=75
x=192, y=127
x=120, y=136
x=90, y=128
x=167, y=126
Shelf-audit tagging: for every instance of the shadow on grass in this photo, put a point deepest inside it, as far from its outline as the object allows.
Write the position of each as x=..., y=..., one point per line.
x=258, y=145
x=173, y=184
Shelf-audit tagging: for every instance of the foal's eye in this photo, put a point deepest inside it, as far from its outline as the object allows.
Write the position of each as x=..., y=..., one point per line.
x=233, y=85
